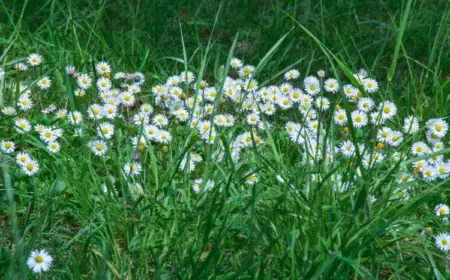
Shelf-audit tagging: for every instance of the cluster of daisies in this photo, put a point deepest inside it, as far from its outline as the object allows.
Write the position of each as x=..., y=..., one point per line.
x=241, y=110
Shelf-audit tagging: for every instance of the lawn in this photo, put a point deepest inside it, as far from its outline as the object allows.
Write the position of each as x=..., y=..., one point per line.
x=248, y=139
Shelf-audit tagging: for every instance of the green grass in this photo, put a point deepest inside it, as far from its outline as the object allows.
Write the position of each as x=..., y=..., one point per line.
x=270, y=230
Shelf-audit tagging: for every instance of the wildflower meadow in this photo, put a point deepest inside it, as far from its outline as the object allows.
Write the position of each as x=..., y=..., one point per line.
x=224, y=139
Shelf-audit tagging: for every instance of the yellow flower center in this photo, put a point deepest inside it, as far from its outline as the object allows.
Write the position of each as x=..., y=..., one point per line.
x=99, y=147
x=30, y=166
x=285, y=102
x=8, y=145
x=39, y=259
x=387, y=110
x=358, y=119
x=438, y=127
x=442, y=212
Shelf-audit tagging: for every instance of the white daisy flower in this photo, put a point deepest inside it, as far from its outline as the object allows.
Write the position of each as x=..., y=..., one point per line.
x=350, y=91
x=163, y=137
x=54, y=147
x=75, y=117
x=30, y=167
x=132, y=169
x=22, y=158
x=443, y=241
x=419, y=149
x=253, y=119
x=84, y=81
x=187, y=77
x=34, y=59
x=438, y=127
x=21, y=67
x=442, y=210
x=9, y=111
x=322, y=103
x=411, y=125
x=24, y=102
x=109, y=111
x=365, y=104
x=146, y=109
x=7, y=146
x=340, y=117
x=359, y=119
x=105, y=130
x=235, y=63
x=291, y=74
x=370, y=85
x=22, y=126
x=70, y=70
x=102, y=68
x=44, y=83
x=95, y=111
x=331, y=85
x=99, y=147
x=39, y=261
x=312, y=85
x=160, y=120
x=388, y=110
x=103, y=84
x=127, y=98
x=252, y=178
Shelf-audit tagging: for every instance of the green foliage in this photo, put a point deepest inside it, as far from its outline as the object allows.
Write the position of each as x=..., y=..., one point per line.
x=296, y=230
